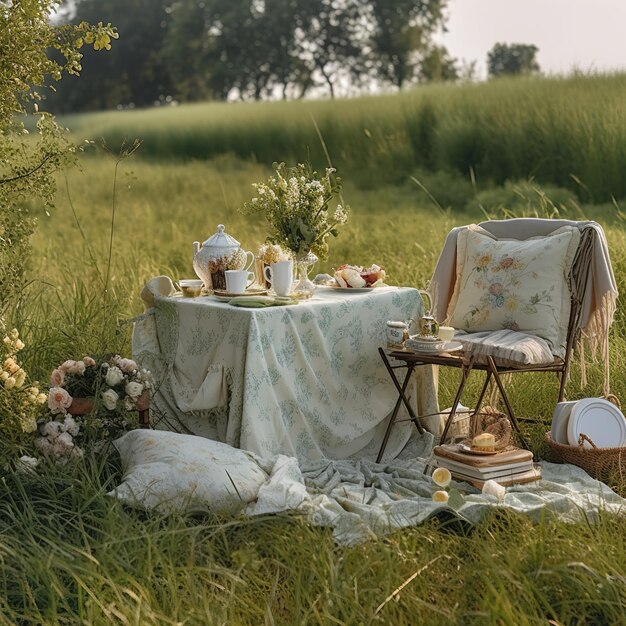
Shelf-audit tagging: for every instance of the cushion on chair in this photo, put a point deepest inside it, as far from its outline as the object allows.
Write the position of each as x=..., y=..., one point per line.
x=172, y=472
x=515, y=285
x=508, y=348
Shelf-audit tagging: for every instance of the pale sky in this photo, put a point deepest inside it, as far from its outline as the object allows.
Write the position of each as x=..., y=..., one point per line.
x=583, y=34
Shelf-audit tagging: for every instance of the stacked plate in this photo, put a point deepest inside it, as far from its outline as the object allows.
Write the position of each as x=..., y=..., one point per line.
x=431, y=345
x=597, y=418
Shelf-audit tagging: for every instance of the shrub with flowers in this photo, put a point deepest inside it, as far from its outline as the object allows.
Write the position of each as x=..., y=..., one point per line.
x=21, y=402
x=295, y=202
x=113, y=387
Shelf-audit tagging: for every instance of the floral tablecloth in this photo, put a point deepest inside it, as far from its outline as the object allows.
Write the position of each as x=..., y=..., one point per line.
x=304, y=380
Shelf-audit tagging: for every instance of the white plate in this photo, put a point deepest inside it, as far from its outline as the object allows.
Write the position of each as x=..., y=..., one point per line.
x=600, y=420
x=560, y=420
x=449, y=346
x=351, y=289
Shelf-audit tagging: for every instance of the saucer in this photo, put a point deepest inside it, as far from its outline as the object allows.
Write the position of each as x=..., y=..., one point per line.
x=252, y=291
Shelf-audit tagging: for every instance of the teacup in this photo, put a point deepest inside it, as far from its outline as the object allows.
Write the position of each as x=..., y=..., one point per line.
x=237, y=281
x=191, y=287
x=446, y=333
x=280, y=276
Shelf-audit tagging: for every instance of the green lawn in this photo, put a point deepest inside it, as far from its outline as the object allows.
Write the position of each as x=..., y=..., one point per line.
x=70, y=555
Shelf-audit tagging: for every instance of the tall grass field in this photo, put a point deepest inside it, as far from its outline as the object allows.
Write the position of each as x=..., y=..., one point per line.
x=71, y=555
x=567, y=132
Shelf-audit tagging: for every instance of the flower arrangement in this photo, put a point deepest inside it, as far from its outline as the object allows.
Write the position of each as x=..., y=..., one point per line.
x=296, y=203
x=272, y=253
x=21, y=402
x=114, y=386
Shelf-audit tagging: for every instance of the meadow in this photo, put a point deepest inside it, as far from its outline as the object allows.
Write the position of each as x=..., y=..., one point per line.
x=71, y=555
x=567, y=132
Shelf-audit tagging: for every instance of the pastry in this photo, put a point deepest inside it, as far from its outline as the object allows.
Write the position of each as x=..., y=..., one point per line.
x=484, y=442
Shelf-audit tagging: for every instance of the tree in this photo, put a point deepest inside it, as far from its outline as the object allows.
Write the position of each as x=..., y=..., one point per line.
x=437, y=66
x=134, y=71
x=28, y=164
x=402, y=36
x=512, y=59
x=333, y=41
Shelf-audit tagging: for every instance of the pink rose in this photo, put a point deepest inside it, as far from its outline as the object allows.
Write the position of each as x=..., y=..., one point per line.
x=127, y=366
x=57, y=377
x=79, y=368
x=88, y=361
x=67, y=366
x=58, y=400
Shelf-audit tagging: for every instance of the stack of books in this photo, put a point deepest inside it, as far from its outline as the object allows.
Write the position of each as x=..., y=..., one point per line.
x=509, y=467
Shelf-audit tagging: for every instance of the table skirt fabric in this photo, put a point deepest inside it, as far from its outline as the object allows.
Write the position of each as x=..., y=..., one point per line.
x=303, y=380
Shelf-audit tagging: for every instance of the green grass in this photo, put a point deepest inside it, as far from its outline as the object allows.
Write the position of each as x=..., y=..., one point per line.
x=70, y=555
x=567, y=132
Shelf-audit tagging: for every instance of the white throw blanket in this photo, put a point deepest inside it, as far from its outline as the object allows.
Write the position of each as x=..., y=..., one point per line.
x=362, y=500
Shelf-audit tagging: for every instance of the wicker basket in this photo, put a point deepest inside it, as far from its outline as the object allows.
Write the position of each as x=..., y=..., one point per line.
x=601, y=463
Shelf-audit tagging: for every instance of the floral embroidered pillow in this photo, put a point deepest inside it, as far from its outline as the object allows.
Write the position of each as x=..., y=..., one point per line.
x=513, y=284
x=172, y=472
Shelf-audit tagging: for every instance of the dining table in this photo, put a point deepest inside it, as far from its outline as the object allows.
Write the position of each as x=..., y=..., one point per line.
x=304, y=379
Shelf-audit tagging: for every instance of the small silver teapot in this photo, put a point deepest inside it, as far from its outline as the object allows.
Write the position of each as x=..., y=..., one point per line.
x=428, y=325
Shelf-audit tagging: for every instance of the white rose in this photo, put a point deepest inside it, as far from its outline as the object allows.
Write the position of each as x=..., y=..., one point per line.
x=134, y=390
x=51, y=429
x=27, y=463
x=43, y=444
x=65, y=439
x=71, y=426
x=110, y=398
x=114, y=376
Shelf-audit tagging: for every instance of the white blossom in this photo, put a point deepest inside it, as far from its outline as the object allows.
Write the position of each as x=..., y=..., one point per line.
x=109, y=399
x=114, y=376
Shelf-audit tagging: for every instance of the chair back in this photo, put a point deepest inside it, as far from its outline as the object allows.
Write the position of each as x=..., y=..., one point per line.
x=443, y=280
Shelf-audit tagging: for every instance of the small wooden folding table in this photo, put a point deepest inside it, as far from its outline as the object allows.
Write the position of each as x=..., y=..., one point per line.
x=460, y=360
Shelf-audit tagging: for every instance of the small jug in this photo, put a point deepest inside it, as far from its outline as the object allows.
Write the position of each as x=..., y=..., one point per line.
x=428, y=325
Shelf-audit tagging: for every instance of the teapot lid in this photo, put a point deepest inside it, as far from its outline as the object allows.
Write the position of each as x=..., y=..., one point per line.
x=221, y=240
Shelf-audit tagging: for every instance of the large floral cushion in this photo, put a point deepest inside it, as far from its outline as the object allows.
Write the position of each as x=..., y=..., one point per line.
x=515, y=285
x=173, y=472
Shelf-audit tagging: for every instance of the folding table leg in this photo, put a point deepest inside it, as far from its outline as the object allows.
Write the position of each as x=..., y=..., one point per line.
x=465, y=372
x=401, y=399
x=505, y=399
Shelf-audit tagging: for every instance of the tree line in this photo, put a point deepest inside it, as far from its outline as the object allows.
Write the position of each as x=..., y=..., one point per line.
x=196, y=50
x=191, y=50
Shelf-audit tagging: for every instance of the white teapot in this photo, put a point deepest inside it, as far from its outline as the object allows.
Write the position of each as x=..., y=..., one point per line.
x=218, y=253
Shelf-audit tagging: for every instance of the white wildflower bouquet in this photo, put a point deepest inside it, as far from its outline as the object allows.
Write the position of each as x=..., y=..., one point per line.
x=21, y=401
x=90, y=401
x=296, y=203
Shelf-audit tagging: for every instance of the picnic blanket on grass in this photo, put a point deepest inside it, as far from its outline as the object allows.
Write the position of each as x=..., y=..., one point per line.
x=356, y=497
x=362, y=500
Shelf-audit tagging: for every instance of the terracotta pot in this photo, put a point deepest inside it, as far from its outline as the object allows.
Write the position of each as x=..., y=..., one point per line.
x=143, y=403
x=81, y=406
x=84, y=406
